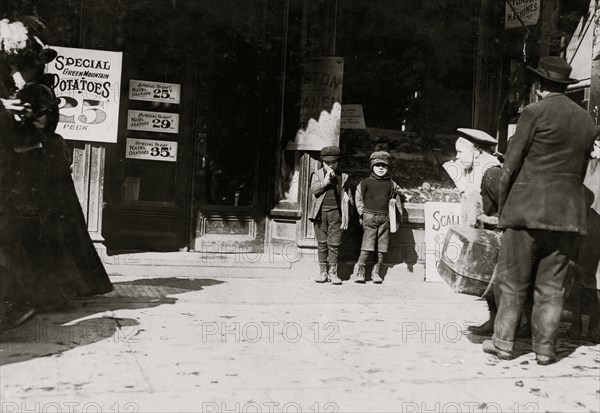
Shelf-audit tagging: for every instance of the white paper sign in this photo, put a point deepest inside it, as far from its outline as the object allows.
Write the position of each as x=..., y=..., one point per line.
x=439, y=217
x=88, y=91
x=154, y=91
x=151, y=150
x=527, y=10
x=352, y=117
x=153, y=121
x=512, y=129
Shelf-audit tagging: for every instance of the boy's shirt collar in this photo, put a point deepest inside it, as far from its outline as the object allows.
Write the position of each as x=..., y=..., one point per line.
x=375, y=176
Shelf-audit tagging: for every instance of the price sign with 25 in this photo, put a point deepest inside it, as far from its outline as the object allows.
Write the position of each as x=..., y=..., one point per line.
x=154, y=91
x=161, y=94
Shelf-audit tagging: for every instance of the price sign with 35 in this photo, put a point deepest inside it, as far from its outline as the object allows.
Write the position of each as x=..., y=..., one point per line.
x=151, y=150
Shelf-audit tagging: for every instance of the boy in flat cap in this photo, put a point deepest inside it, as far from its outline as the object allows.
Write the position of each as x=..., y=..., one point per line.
x=373, y=195
x=329, y=212
x=542, y=211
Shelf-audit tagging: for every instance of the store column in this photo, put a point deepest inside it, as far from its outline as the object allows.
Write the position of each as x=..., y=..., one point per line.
x=88, y=177
x=488, y=61
x=315, y=47
x=89, y=111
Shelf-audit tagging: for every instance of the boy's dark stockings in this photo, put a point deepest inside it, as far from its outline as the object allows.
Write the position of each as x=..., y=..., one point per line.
x=364, y=257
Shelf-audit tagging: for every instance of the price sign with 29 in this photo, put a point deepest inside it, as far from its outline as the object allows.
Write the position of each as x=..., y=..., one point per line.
x=160, y=122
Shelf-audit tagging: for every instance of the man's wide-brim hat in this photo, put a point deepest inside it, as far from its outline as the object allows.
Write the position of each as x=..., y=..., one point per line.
x=476, y=136
x=330, y=153
x=555, y=69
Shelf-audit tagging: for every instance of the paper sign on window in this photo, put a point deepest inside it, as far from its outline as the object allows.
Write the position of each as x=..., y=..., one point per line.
x=154, y=91
x=88, y=92
x=153, y=121
x=151, y=150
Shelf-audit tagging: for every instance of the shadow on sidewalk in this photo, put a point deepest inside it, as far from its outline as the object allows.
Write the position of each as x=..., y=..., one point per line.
x=89, y=320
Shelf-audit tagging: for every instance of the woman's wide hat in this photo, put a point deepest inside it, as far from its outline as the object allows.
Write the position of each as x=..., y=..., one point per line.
x=555, y=69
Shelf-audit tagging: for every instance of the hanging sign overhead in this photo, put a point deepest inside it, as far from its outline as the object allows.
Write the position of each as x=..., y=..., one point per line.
x=527, y=10
x=320, y=104
x=151, y=150
x=153, y=121
x=154, y=91
x=88, y=92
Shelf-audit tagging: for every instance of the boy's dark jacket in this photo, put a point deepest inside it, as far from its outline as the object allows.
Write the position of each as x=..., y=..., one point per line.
x=318, y=189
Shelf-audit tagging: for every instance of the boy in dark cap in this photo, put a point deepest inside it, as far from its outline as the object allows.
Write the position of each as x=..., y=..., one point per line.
x=373, y=195
x=329, y=212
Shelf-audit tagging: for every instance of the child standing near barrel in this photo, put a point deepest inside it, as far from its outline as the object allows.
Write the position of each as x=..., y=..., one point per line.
x=377, y=198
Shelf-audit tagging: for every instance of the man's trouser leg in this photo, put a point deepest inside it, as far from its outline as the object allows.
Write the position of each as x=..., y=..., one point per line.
x=515, y=264
x=557, y=250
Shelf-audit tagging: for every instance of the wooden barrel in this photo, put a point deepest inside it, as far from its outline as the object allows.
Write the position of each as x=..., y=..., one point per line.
x=468, y=259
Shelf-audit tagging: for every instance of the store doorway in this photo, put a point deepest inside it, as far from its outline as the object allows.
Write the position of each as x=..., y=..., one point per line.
x=149, y=171
x=238, y=93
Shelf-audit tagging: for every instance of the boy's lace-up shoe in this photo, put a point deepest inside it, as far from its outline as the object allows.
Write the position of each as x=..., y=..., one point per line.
x=359, y=274
x=323, y=277
x=375, y=277
x=333, y=274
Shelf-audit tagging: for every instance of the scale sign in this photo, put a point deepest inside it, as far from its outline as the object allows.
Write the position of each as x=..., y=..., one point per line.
x=439, y=217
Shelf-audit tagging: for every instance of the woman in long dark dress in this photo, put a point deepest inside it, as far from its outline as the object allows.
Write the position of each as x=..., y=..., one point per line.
x=46, y=254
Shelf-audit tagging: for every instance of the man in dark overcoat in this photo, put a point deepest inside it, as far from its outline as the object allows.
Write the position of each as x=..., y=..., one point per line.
x=542, y=211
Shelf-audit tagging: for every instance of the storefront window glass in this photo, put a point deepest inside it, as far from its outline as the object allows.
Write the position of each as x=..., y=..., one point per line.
x=239, y=81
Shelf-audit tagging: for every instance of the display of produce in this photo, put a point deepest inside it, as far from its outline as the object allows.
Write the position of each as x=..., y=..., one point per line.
x=416, y=165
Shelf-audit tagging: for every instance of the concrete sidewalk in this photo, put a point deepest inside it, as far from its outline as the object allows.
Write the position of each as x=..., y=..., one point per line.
x=292, y=263
x=214, y=343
